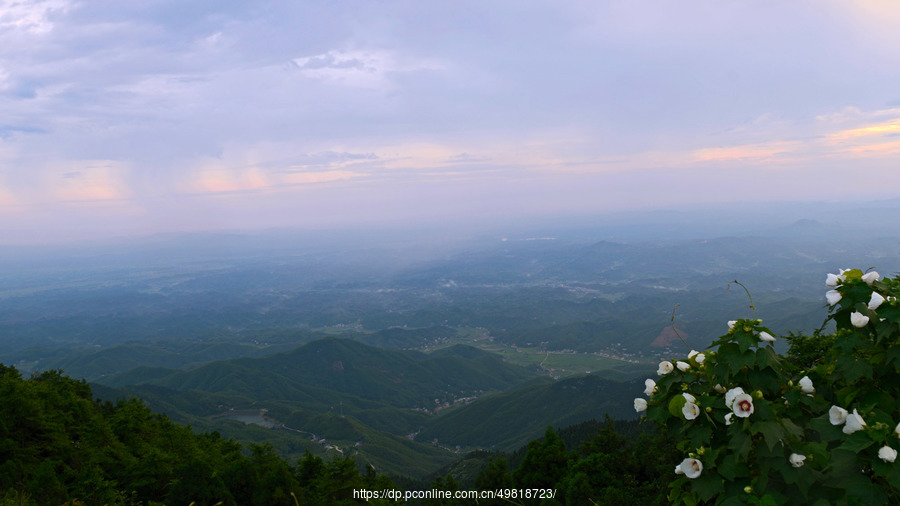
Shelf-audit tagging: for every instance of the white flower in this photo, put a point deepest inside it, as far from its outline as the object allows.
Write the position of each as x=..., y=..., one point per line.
x=837, y=415
x=833, y=297
x=887, y=454
x=743, y=405
x=678, y=469
x=875, y=301
x=688, y=397
x=665, y=368
x=690, y=410
x=854, y=423
x=650, y=387
x=697, y=356
x=682, y=366
x=869, y=278
x=719, y=388
x=832, y=280
x=731, y=323
x=806, y=385
x=858, y=319
x=897, y=430
x=729, y=418
x=765, y=336
x=691, y=468
x=731, y=394
x=796, y=459
x=640, y=405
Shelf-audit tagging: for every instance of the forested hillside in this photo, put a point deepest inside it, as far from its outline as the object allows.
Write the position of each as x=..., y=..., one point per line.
x=58, y=445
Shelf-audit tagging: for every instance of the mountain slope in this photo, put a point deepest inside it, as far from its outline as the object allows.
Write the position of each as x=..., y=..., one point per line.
x=510, y=419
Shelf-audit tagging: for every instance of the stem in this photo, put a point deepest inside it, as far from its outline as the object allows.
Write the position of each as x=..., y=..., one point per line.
x=676, y=330
x=736, y=282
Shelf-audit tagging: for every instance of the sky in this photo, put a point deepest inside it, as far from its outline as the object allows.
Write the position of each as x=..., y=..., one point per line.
x=133, y=118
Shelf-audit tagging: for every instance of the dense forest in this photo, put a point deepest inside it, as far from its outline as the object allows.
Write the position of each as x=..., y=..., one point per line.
x=58, y=445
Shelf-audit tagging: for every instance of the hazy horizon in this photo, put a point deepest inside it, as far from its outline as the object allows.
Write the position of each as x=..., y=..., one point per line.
x=133, y=119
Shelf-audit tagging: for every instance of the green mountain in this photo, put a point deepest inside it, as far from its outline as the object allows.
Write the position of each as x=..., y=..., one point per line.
x=507, y=420
x=399, y=378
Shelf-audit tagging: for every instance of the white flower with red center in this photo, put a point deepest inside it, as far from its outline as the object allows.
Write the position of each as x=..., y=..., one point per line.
x=742, y=406
x=731, y=394
x=690, y=410
x=665, y=368
x=690, y=468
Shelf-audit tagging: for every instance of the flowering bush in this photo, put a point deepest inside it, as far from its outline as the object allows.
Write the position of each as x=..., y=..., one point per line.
x=758, y=428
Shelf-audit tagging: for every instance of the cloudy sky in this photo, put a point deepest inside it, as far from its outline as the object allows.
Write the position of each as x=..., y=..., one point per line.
x=137, y=117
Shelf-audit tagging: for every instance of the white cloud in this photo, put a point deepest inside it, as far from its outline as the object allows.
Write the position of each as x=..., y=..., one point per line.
x=370, y=68
x=34, y=16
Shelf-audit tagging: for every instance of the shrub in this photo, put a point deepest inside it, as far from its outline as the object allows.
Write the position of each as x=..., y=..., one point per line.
x=758, y=428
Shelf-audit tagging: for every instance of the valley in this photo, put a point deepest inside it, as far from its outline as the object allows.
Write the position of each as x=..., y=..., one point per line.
x=400, y=358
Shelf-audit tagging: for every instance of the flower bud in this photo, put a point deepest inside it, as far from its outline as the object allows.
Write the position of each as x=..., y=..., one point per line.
x=708, y=409
x=758, y=394
x=748, y=489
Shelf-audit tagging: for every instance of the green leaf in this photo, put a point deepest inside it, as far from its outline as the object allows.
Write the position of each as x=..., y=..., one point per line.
x=792, y=428
x=844, y=462
x=857, y=441
x=707, y=485
x=766, y=358
x=890, y=471
x=675, y=405
x=860, y=487
x=771, y=430
x=732, y=501
x=893, y=356
x=745, y=340
x=731, y=467
x=698, y=434
x=853, y=368
x=741, y=443
x=818, y=453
